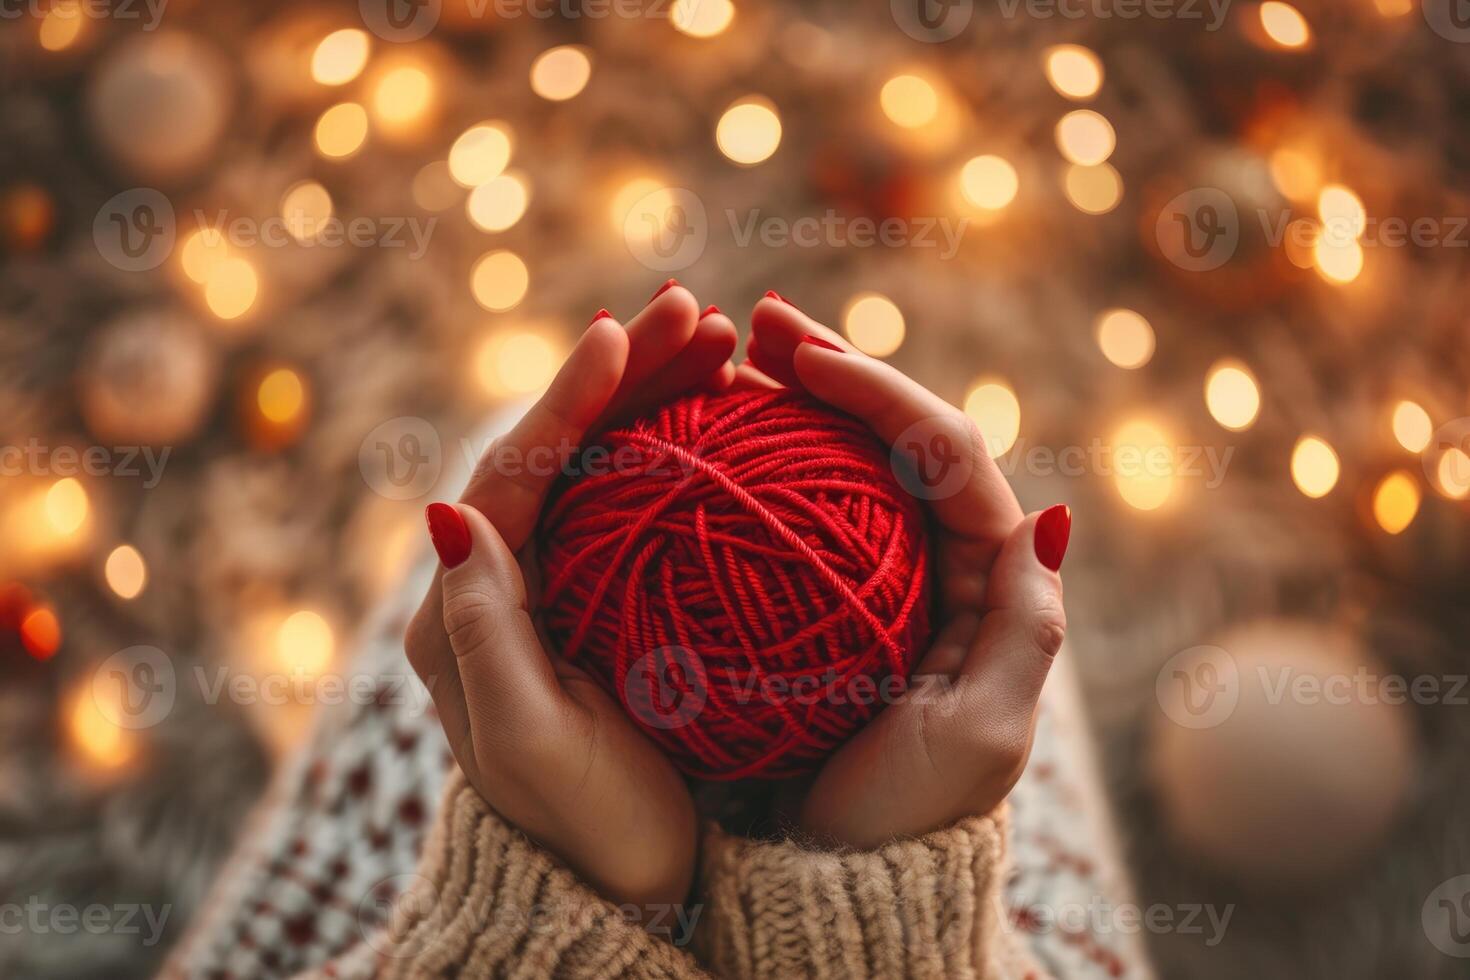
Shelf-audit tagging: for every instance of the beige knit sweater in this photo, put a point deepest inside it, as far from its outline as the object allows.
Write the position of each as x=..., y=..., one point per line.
x=489, y=902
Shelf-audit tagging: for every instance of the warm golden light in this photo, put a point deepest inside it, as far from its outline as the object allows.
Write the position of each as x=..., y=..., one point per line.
x=125, y=572
x=203, y=251
x=1125, y=338
x=1143, y=463
x=67, y=506
x=1337, y=261
x=281, y=395
x=62, y=25
x=498, y=203
x=1412, y=426
x=1344, y=219
x=1294, y=173
x=642, y=208
x=231, y=288
x=480, y=154
x=1232, y=396
x=93, y=733
x=749, y=131
x=560, y=73
x=516, y=363
x=1074, y=71
x=305, y=643
x=340, y=57
x=341, y=130
x=874, y=324
x=305, y=207
x=702, y=18
x=499, y=280
x=1085, y=137
x=1093, y=190
x=401, y=97
x=1314, y=466
x=994, y=408
x=40, y=632
x=989, y=182
x=1394, y=8
x=1453, y=473
x=909, y=101
x=1396, y=502
x=1284, y=24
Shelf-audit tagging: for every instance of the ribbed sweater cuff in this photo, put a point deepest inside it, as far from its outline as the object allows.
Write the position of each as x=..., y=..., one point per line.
x=489, y=902
x=925, y=907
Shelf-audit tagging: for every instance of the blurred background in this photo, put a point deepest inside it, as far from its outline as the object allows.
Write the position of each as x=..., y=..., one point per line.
x=1196, y=268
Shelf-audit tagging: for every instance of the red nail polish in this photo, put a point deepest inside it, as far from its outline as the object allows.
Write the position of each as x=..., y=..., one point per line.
x=601, y=315
x=772, y=294
x=709, y=310
x=449, y=532
x=1053, y=529
x=664, y=288
x=816, y=341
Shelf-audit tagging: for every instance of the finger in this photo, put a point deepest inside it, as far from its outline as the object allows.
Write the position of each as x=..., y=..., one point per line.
x=512, y=478
x=749, y=377
x=508, y=680
x=947, y=654
x=701, y=363
x=777, y=327
x=656, y=336
x=961, y=482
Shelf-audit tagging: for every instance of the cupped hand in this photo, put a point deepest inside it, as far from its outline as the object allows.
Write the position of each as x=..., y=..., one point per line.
x=956, y=743
x=540, y=741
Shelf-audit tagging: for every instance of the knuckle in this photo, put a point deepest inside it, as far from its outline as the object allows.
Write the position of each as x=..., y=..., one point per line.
x=1048, y=627
x=472, y=620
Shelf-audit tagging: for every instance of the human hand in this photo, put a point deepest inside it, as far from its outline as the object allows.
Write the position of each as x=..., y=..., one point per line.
x=535, y=736
x=959, y=741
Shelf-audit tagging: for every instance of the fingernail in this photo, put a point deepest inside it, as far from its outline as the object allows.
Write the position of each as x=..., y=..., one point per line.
x=772, y=294
x=709, y=310
x=664, y=288
x=1053, y=529
x=824, y=344
x=601, y=315
x=450, y=534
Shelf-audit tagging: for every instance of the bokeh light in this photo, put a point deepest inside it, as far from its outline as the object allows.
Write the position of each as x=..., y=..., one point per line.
x=401, y=98
x=1344, y=218
x=281, y=396
x=340, y=56
x=1074, y=71
x=305, y=643
x=305, y=207
x=874, y=324
x=1144, y=463
x=341, y=130
x=561, y=73
x=749, y=131
x=1085, y=137
x=40, y=632
x=480, y=154
x=1314, y=466
x=1232, y=395
x=125, y=571
x=1396, y=502
x=702, y=18
x=996, y=411
x=1284, y=24
x=62, y=25
x=516, y=362
x=1093, y=190
x=67, y=506
x=202, y=252
x=1125, y=338
x=231, y=287
x=1412, y=426
x=1452, y=475
x=498, y=203
x=989, y=182
x=94, y=735
x=1337, y=261
x=909, y=101
x=1294, y=173
x=499, y=280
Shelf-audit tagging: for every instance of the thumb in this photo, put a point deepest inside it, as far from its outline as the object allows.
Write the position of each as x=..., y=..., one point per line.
x=508, y=679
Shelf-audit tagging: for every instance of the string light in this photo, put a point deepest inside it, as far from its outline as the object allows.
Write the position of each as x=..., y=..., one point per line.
x=1085, y=137
x=874, y=324
x=202, y=252
x=231, y=287
x=499, y=281
x=40, y=632
x=989, y=182
x=305, y=643
x=340, y=57
x=92, y=729
x=1337, y=261
x=67, y=507
x=1453, y=473
x=341, y=130
x=1412, y=426
x=749, y=131
x=61, y=26
x=702, y=18
x=125, y=571
x=996, y=411
x=498, y=203
x=1093, y=190
x=1232, y=396
x=306, y=206
x=401, y=99
x=1343, y=216
x=560, y=73
x=1284, y=24
x=1143, y=464
x=909, y=101
x=1396, y=502
x=480, y=154
x=516, y=363
x=1074, y=71
x=1314, y=466
x=1125, y=338
x=281, y=396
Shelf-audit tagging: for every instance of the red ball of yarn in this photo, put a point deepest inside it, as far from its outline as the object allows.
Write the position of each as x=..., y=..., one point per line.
x=745, y=574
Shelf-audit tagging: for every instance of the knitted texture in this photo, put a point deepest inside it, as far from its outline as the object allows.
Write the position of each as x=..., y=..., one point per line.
x=745, y=574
